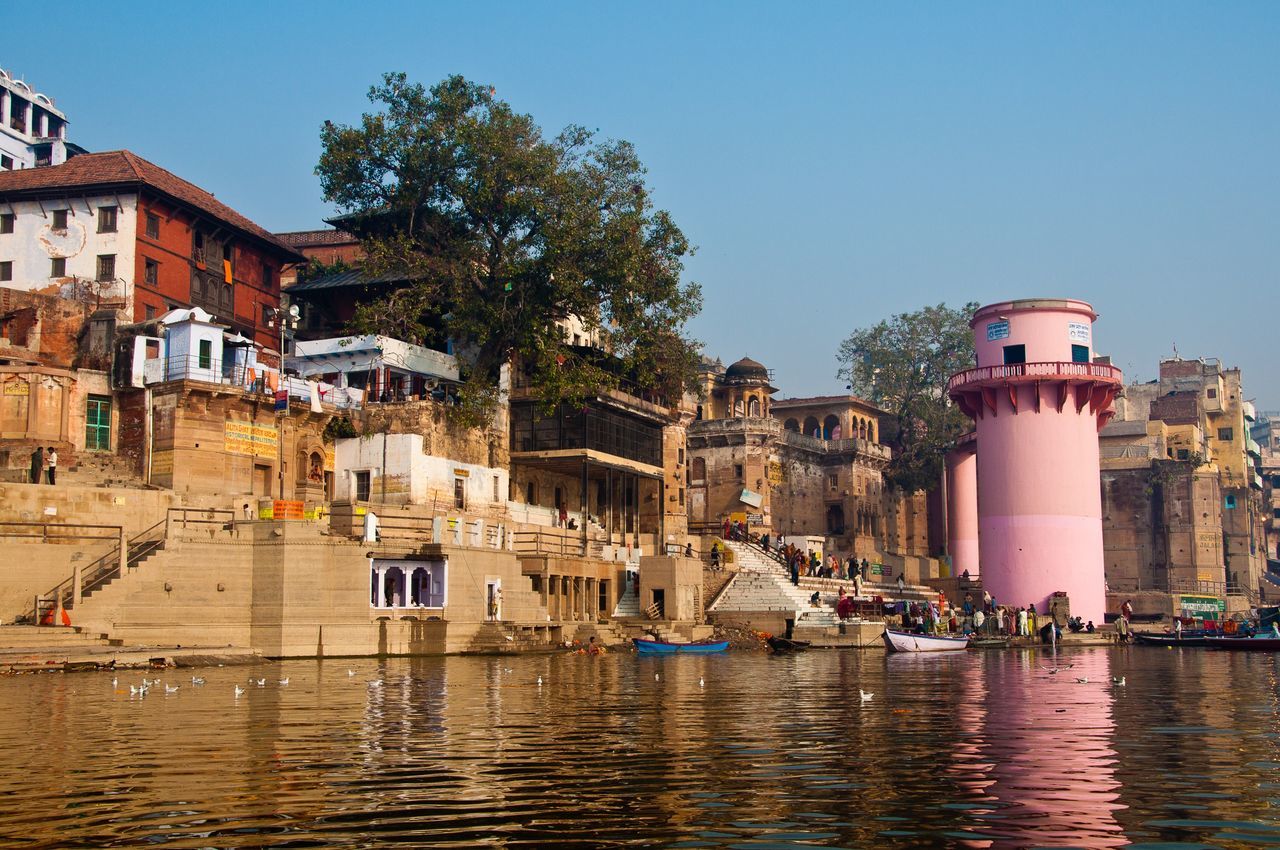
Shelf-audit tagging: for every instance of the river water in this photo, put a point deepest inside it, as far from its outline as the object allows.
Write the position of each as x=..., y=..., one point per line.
x=742, y=750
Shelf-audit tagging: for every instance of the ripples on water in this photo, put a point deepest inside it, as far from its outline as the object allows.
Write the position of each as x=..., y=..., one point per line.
x=978, y=750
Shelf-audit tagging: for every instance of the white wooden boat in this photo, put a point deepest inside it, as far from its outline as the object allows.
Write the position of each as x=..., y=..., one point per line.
x=906, y=642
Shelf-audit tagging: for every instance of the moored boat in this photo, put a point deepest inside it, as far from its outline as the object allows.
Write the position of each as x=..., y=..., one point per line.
x=662, y=647
x=781, y=644
x=1171, y=640
x=906, y=642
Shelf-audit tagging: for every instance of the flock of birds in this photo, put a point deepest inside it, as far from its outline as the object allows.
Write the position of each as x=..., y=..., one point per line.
x=142, y=689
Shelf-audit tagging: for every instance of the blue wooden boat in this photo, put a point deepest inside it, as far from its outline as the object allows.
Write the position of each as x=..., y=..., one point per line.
x=661, y=647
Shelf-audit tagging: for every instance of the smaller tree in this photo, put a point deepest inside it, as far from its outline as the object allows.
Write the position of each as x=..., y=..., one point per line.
x=902, y=365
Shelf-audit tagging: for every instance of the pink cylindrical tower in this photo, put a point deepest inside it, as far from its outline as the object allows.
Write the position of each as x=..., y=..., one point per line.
x=962, y=507
x=1038, y=400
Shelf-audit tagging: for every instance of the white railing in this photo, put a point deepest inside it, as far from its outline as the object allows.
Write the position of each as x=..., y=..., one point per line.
x=1049, y=369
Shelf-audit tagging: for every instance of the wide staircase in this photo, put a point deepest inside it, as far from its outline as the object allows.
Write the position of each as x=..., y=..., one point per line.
x=762, y=584
x=101, y=573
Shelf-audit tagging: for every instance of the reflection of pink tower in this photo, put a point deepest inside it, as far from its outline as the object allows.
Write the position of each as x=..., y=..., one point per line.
x=1038, y=400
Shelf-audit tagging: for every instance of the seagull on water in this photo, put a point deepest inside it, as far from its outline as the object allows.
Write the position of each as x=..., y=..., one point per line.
x=239, y=691
x=1119, y=682
x=197, y=680
x=1082, y=680
x=351, y=673
x=655, y=677
x=376, y=683
x=171, y=690
x=539, y=681
x=138, y=690
x=701, y=682
x=866, y=697
x=262, y=683
x=284, y=682
x=115, y=681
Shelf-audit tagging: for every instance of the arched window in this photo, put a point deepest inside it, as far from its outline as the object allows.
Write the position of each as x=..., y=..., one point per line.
x=871, y=431
x=699, y=472
x=791, y=424
x=699, y=411
x=862, y=429
x=753, y=407
x=737, y=408
x=811, y=427
x=831, y=427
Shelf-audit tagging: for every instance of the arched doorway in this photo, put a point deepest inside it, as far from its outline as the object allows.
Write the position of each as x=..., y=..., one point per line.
x=753, y=408
x=792, y=424
x=831, y=427
x=811, y=427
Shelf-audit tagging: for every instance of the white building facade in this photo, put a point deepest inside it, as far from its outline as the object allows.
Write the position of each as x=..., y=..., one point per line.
x=78, y=247
x=33, y=132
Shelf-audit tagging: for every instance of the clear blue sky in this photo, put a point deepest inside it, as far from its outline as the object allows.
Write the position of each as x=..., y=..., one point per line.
x=835, y=163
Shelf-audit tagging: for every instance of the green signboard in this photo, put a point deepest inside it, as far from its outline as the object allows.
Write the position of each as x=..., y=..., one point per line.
x=1210, y=607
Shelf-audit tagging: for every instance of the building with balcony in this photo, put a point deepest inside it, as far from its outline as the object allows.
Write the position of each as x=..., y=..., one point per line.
x=807, y=468
x=113, y=229
x=33, y=132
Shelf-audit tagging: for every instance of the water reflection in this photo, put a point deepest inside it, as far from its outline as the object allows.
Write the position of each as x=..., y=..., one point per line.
x=978, y=750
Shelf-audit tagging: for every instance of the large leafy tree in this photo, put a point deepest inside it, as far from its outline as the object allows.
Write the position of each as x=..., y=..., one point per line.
x=502, y=233
x=902, y=364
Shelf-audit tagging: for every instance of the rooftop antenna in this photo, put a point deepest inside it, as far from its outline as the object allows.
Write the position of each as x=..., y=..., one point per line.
x=1175, y=352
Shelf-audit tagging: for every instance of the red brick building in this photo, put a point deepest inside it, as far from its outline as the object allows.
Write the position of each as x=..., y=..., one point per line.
x=117, y=229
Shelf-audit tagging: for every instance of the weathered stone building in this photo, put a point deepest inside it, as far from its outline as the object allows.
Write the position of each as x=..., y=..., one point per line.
x=804, y=468
x=1182, y=501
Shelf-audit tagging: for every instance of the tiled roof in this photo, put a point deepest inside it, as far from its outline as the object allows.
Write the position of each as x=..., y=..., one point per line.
x=308, y=238
x=124, y=168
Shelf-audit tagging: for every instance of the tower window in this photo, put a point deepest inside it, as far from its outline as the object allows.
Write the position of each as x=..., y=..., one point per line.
x=1079, y=354
x=1015, y=354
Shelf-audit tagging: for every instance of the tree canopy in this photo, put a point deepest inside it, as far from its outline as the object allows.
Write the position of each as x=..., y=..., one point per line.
x=501, y=233
x=903, y=365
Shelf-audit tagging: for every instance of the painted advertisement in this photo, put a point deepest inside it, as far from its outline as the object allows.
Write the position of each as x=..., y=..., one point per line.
x=1078, y=332
x=243, y=438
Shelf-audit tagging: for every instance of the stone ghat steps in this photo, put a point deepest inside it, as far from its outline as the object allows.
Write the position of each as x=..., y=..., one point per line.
x=48, y=637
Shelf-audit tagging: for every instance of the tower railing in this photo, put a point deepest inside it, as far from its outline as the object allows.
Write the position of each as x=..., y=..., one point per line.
x=1046, y=369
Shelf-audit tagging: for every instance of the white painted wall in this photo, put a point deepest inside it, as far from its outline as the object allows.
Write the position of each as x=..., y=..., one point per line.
x=34, y=243
x=405, y=459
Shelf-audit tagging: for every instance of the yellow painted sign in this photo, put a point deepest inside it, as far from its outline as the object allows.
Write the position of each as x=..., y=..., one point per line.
x=775, y=472
x=18, y=387
x=243, y=438
x=329, y=461
x=162, y=463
